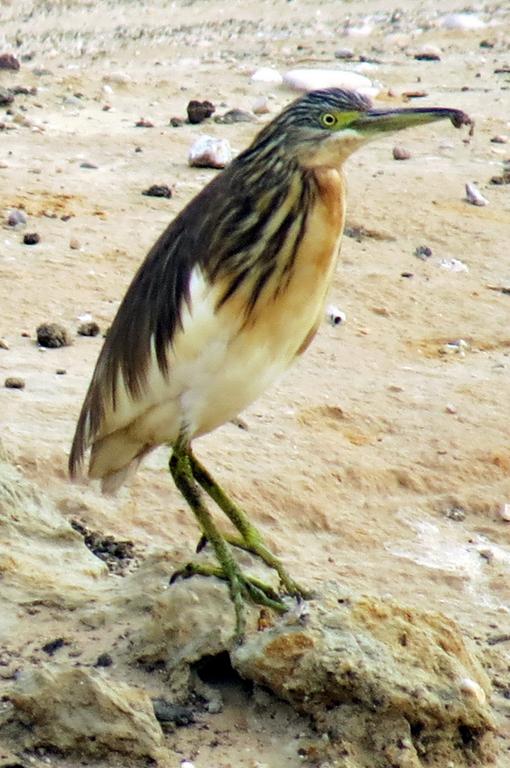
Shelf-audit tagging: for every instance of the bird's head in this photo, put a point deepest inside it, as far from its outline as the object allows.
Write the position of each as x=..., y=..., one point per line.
x=324, y=127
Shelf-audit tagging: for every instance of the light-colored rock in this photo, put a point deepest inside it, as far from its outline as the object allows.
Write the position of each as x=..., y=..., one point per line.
x=267, y=75
x=462, y=21
x=474, y=196
x=375, y=675
x=311, y=79
x=208, y=152
x=79, y=710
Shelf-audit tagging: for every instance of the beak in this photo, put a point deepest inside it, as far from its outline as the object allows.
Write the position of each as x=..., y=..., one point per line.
x=376, y=121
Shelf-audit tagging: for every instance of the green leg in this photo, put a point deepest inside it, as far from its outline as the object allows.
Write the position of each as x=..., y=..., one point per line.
x=241, y=586
x=251, y=538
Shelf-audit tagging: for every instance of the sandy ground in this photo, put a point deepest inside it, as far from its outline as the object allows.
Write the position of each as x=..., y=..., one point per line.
x=382, y=460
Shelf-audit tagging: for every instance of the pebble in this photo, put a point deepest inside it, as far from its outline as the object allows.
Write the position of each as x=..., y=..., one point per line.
x=198, y=111
x=260, y=106
x=428, y=53
x=423, y=252
x=143, y=123
x=504, y=512
x=31, y=238
x=158, y=190
x=104, y=660
x=53, y=335
x=235, y=116
x=16, y=218
x=6, y=97
x=344, y=53
x=474, y=196
x=176, y=122
x=74, y=244
x=450, y=408
x=400, y=153
x=8, y=61
x=89, y=328
x=4, y=344
x=504, y=178
x=311, y=79
x=453, y=265
x=14, y=382
x=61, y=371
x=335, y=316
x=462, y=21
x=89, y=166
x=267, y=75
x=500, y=139
x=457, y=514
x=208, y=152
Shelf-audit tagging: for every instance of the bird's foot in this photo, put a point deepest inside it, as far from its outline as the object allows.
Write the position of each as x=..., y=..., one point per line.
x=256, y=547
x=242, y=588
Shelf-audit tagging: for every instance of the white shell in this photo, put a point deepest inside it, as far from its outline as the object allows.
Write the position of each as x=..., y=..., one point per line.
x=208, y=152
x=504, y=512
x=335, y=316
x=474, y=196
x=312, y=79
x=462, y=21
x=453, y=265
x=267, y=75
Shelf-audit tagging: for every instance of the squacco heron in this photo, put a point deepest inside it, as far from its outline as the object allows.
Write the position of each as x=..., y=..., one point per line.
x=227, y=298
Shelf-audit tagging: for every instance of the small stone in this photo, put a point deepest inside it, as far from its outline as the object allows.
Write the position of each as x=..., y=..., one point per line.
x=176, y=122
x=198, y=111
x=450, y=408
x=344, y=53
x=158, y=190
x=335, y=316
x=428, y=53
x=407, y=95
x=503, y=179
x=61, y=371
x=400, y=153
x=8, y=61
x=14, y=382
x=4, y=344
x=267, y=75
x=143, y=123
x=104, y=660
x=472, y=689
x=235, y=116
x=89, y=166
x=31, y=238
x=208, y=152
x=16, y=218
x=499, y=139
x=53, y=335
x=88, y=329
x=455, y=513
x=6, y=97
x=423, y=252
x=260, y=106
x=167, y=712
x=74, y=244
x=504, y=512
x=53, y=646
x=474, y=196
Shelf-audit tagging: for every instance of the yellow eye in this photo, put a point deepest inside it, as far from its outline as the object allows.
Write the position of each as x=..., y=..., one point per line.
x=328, y=120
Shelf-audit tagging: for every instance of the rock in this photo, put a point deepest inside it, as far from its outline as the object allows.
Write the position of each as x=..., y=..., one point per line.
x=267, y=75
x=104, y=660
x=144, y=123
x=400, y=153
x=208, y=152
x=90, y=328
x=453, y=265
x=80, y=711
x=176, y=122
x=16, y=218
x=311, y=79
x=74, y=244
x=53, y=335
x=462, y=21
x=158, y=190
x=235, y=116
x=499, y=139
x=504, y=178
x=335, y=316
x=344, y=53
x=474, y=196
x=198, y=111
x=8, y=61
x=4, y=344
x=504, y=512
x=31, y=238
x=88, y=165
x=6, y=97
x=428, y=53
x=423, y=252
x=375, y=676
x=14, y=382
x=260, y=106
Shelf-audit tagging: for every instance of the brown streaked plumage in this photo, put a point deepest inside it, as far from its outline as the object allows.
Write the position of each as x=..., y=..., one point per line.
x=228, y=296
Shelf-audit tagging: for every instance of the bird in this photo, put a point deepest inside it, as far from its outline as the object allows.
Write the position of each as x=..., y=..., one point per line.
x=228, y=297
